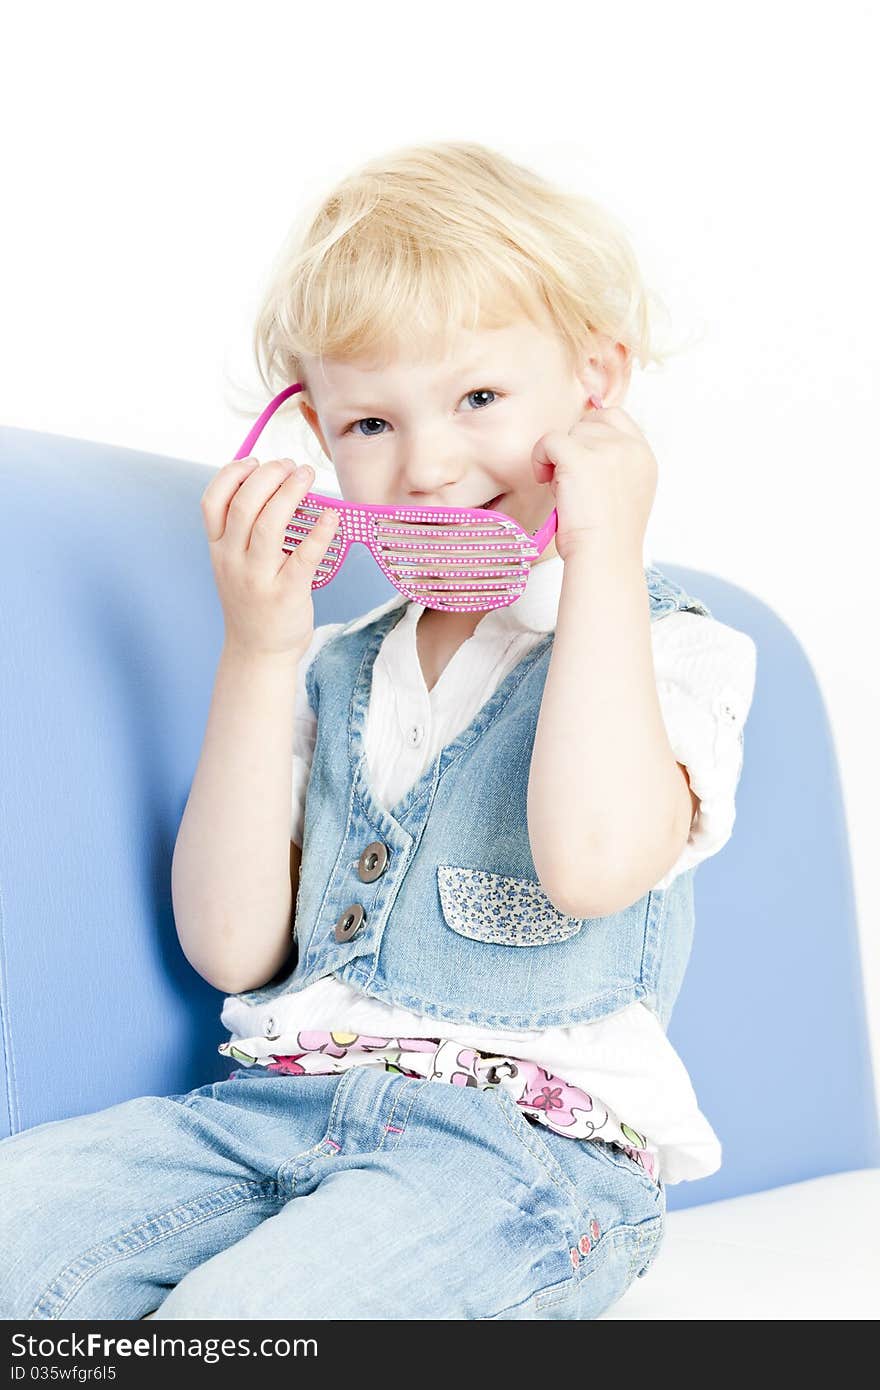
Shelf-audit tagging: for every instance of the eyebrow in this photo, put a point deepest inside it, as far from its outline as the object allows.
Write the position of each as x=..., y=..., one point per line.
x=458, y=373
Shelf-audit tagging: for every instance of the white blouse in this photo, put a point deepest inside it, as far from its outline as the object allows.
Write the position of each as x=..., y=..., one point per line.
x=705, y=673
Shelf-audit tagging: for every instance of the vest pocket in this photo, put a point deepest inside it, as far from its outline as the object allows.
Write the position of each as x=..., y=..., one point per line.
x=501, y=909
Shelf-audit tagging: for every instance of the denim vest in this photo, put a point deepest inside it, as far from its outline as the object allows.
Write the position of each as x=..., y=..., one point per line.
x=435, y=905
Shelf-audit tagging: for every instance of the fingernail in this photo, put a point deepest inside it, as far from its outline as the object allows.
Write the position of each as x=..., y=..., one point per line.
x=596, y=402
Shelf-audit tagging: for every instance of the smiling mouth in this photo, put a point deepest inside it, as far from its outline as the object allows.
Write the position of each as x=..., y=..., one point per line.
x=491, y=504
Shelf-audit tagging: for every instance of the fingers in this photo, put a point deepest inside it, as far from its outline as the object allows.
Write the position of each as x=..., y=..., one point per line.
x=248, y=506
x=235, y=499
x=219, y=493
x=251, y=509
x=269, y=530
x=617, y=418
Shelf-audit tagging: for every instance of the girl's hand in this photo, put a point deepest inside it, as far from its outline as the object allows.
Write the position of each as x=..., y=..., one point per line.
x=603, y=476
x=266, y=594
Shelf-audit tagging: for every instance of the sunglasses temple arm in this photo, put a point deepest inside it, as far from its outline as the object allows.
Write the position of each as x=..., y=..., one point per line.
x=542, y=537
x=257, y=429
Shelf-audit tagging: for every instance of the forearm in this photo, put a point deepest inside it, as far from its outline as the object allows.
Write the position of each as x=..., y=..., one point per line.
x=230, y=873
x=603, y=776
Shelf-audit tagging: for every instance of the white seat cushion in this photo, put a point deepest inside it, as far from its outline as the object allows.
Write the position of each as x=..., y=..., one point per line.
x=807, y=1250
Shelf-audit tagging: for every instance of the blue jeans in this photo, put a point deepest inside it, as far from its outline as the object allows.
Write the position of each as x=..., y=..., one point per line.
x=361, y=1195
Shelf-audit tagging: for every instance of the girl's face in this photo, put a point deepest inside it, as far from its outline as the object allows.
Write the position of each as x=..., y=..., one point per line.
x=457, y=432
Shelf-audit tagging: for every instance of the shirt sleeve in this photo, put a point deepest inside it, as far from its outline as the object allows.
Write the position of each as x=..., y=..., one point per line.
x=705, y=674
x=305, y=729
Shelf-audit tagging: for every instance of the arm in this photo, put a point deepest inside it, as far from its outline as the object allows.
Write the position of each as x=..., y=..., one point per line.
x=609, y=808
x=232, y=887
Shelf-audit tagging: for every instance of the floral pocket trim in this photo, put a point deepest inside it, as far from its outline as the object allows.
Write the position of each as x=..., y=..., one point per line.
x=501, y=909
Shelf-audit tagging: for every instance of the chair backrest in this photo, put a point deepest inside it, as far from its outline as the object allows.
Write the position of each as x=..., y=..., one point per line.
x=110, y=630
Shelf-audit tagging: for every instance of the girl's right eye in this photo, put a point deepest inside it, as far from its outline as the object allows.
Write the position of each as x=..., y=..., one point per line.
x=368, y=420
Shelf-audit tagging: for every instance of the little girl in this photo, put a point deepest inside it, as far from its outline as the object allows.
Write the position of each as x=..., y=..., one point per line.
x=496, y=819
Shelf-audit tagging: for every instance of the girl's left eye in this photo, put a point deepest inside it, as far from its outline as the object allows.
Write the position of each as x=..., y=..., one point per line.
x=483, y=391
x=374, y=420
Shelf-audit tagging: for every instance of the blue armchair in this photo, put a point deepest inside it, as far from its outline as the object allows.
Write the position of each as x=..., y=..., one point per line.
x=110, y=630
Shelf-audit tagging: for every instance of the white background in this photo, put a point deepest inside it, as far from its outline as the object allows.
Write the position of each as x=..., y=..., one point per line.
x=155, y=155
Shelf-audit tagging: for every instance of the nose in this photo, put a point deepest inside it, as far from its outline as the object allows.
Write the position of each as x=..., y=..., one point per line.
x=429, y=473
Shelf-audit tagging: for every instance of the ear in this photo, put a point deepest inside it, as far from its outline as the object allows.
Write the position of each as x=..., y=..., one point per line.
x=311, y=419
x=606, y=373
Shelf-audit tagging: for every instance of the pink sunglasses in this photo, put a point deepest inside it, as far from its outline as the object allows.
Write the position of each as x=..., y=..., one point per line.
x=456, y=559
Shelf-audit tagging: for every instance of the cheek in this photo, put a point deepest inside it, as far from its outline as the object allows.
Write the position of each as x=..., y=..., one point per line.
x=512, y=439
x=360, y=479
x=512, y=451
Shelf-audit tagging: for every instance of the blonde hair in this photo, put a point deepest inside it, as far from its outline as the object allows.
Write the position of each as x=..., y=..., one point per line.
x=431, y=238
